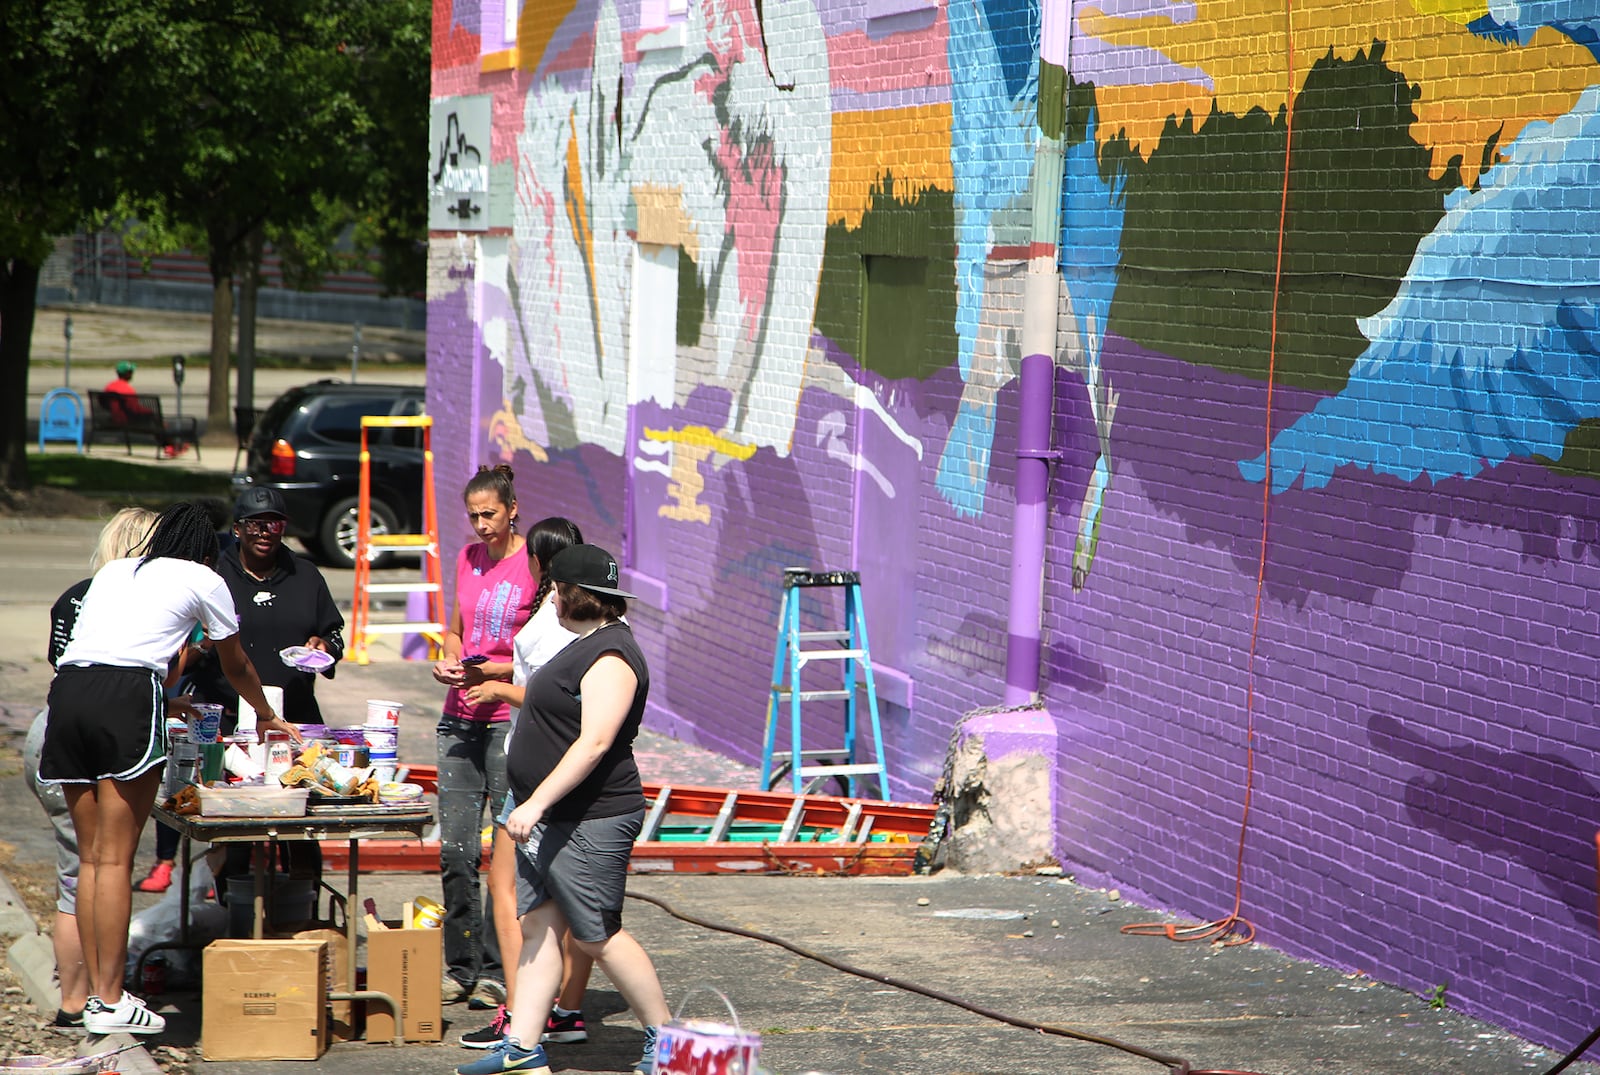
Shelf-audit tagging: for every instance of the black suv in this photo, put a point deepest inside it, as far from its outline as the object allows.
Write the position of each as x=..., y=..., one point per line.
x=307, y=445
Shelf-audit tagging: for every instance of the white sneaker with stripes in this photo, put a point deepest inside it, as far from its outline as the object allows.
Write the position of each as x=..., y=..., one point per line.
x=127, y=1016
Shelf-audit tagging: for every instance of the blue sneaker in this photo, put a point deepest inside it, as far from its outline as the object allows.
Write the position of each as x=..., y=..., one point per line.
x=509, y=1055
x=647, y=1062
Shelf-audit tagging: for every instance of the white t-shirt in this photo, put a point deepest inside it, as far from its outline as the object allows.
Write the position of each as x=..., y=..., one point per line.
x=140, y=619
x=540, y=639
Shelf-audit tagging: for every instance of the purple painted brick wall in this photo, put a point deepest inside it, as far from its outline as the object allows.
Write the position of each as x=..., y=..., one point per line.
x=1425, y=653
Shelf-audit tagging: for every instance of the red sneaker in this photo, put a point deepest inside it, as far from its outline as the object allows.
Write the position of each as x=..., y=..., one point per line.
x=159, y=879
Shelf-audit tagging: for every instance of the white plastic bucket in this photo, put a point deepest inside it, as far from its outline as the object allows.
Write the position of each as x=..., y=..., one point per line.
x=381, y=713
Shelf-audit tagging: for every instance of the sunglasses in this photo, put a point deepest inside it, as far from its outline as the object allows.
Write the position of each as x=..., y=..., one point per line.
x=261, y=526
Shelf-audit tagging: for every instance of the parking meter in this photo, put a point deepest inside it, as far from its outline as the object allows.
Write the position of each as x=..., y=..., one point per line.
x=66, y=330
x=177, y=380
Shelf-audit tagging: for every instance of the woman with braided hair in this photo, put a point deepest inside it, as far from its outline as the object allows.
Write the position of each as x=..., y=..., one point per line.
x=105, y=743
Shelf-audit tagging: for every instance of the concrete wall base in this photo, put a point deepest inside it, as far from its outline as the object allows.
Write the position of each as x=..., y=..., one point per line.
x=1002, y=803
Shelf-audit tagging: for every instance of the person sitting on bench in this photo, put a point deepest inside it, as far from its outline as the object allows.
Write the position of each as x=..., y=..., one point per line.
x=122, y=385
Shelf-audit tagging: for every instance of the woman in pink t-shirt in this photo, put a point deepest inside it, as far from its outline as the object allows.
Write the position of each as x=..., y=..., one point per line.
x=494, y=598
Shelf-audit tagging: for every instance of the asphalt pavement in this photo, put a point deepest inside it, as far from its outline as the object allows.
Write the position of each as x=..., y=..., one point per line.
x=1037, y=950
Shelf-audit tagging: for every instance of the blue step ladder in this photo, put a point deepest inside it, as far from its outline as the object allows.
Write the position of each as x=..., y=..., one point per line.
x=810, y=769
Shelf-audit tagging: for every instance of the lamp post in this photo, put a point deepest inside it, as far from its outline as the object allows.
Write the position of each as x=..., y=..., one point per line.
x=66, y=330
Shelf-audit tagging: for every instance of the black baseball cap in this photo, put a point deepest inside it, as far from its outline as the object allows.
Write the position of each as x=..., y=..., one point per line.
x=259, y=500
x=588, y=567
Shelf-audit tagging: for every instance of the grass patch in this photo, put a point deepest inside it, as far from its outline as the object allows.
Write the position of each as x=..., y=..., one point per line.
x=153, y=485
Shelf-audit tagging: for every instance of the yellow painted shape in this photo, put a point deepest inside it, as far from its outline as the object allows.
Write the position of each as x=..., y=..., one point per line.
x=662, y=220
x=578, y=218
x=911, y=144
x=702, y=437
x=504, y=60
x=687, y=485
x=536, y=26
x=1471, y=87
x=1456, y=11
x=505, y=433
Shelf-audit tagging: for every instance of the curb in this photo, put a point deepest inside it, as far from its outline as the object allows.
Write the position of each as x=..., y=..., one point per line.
x=15, y=918
x=32, y=956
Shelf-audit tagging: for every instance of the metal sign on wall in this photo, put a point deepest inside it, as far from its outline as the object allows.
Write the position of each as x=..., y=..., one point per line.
x=459, y=129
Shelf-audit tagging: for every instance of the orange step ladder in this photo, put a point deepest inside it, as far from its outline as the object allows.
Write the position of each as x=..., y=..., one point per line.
x=370, y=545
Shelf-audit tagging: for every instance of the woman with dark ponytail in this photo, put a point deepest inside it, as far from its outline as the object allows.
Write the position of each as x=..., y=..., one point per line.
x=105, y=743
x=494, y=598
x=539, y=640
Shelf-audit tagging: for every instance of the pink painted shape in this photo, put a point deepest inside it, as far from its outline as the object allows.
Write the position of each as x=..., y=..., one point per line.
x=919, y=58
x=755, y=191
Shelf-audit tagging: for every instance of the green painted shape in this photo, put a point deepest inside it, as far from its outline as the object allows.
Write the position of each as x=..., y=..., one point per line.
x=1580, y=454
x=922, y=227
x=691, y=301
x=1052, y=99
x=1199, y=241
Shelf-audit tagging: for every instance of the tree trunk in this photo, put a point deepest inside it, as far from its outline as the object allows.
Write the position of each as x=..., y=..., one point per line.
x=19, y=289
x=219, y=416
x=249, y=284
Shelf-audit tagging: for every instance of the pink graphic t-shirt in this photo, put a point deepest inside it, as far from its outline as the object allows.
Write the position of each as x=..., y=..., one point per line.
x=496, y=599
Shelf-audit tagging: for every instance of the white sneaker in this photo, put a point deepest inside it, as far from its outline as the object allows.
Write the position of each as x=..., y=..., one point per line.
x=127, y=1016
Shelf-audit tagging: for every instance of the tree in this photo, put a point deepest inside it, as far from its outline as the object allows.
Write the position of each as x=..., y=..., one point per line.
x=74, y=90
x=279, y=135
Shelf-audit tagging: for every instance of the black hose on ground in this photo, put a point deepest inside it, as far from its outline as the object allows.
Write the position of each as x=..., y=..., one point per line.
x=1175, y=1065
x=1583, y=1047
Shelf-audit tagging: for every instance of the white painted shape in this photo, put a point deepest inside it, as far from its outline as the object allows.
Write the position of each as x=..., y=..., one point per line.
x=653, y=325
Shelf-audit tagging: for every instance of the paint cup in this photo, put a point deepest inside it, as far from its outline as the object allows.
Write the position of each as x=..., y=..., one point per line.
x=247, y=712
x=383, y=713
x=206, y=723
x=212, y=761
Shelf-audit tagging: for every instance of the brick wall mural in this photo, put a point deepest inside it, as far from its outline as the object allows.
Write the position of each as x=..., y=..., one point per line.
x=748, y=290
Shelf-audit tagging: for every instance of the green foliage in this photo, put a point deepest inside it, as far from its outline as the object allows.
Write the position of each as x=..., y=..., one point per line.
x=1200, y=236
x=1436, y=997
x=296, y=117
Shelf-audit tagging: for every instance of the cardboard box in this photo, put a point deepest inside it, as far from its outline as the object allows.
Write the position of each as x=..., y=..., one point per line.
x=265, y=1000
x=407, y=964
x=341, y=1013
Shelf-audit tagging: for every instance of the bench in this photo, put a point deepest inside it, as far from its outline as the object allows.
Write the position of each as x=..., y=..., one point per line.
x=120, y=416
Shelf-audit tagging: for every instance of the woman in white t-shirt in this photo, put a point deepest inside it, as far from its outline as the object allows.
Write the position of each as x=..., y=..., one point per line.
x=105, y=743
x=541, y=638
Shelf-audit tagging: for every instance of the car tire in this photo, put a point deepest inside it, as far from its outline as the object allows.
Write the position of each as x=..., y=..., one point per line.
x=336, y=537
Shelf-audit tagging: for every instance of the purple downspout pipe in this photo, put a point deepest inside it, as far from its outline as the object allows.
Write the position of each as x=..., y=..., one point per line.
x=1040, y=308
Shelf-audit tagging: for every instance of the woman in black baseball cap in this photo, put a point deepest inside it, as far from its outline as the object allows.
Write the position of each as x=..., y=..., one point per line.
x=572, y=771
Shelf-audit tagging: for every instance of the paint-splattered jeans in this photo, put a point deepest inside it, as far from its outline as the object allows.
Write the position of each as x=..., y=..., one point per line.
x=472, y=774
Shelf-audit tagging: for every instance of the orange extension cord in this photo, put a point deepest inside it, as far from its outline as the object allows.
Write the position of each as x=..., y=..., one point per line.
x=1233, y=928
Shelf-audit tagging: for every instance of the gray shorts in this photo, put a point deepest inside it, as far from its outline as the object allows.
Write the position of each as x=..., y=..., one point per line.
x=54, y=801
x=583, y=866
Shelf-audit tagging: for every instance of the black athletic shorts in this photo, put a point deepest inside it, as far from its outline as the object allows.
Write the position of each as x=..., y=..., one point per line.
x=106, y=723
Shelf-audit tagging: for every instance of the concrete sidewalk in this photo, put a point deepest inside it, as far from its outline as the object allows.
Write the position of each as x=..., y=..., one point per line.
x=1036, y=948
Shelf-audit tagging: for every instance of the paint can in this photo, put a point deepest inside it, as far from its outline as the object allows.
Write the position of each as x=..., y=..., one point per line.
x=280, y=758
x=702, y=1047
